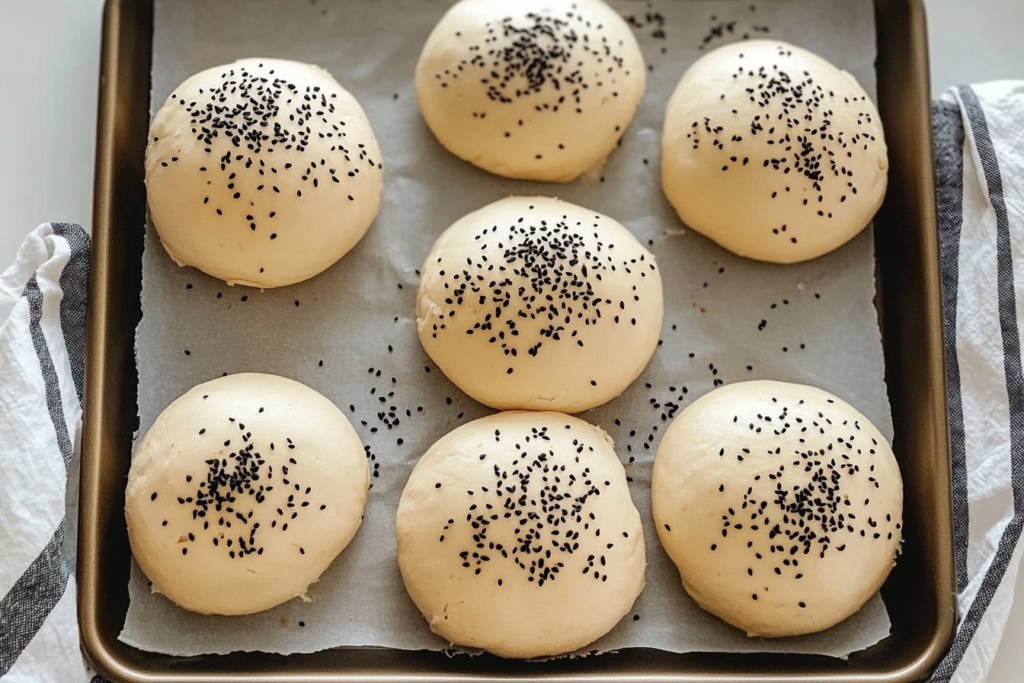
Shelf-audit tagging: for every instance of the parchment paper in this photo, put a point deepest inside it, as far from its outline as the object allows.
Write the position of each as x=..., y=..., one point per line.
x=727, y=319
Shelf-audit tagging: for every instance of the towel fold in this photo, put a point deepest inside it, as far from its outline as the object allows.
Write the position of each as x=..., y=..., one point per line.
x=43, y=300
x=979, y=171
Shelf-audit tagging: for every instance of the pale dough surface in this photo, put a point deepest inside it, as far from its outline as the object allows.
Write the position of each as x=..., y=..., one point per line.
x=242, y=493
x=517, y=535
x=535, y=89
x=263, y=172
x=781, y=505
x=535, y=303
x=773, y=152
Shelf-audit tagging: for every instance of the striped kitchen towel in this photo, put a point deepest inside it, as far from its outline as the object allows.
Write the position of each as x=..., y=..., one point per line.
x=979, y=169
x=42, y=368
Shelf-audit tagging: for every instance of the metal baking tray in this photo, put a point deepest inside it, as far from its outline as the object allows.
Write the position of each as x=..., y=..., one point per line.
x=919, y=594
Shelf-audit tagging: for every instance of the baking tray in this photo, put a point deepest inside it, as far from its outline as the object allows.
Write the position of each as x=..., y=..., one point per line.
x=920, y=593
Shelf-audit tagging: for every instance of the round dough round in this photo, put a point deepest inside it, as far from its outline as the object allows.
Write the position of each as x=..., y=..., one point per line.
x=517, y=535
x=242, y=493
x=535, y=89
x=780, y=504
x=534, y=303
x=264, y=172
x=772, y=152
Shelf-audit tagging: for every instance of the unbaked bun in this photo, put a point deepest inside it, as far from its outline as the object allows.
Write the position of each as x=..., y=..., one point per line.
x=517, y=535
x=780, y=504
x=534, y=89
x=264, y=172
x=242, y=493
x=772, y=152
x=539, y=304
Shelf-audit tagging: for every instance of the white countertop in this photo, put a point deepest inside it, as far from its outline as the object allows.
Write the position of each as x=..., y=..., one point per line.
x=50, y=49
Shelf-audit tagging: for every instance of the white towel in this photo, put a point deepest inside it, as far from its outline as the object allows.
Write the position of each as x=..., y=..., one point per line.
x=979, y=161
x=42, y=367
x=979, y=148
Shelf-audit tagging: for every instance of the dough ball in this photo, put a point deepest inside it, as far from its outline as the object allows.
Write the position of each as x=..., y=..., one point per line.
x=781, y=505
x=539, y=304
x=264, y=172
x=517, y=535
x=242, y=493
x=773, y=152
x=535, y=89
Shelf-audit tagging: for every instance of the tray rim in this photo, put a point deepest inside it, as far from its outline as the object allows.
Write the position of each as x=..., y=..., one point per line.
x=102, y=370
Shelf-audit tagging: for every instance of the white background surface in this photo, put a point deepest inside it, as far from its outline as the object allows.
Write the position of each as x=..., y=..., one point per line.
x=49, y=50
